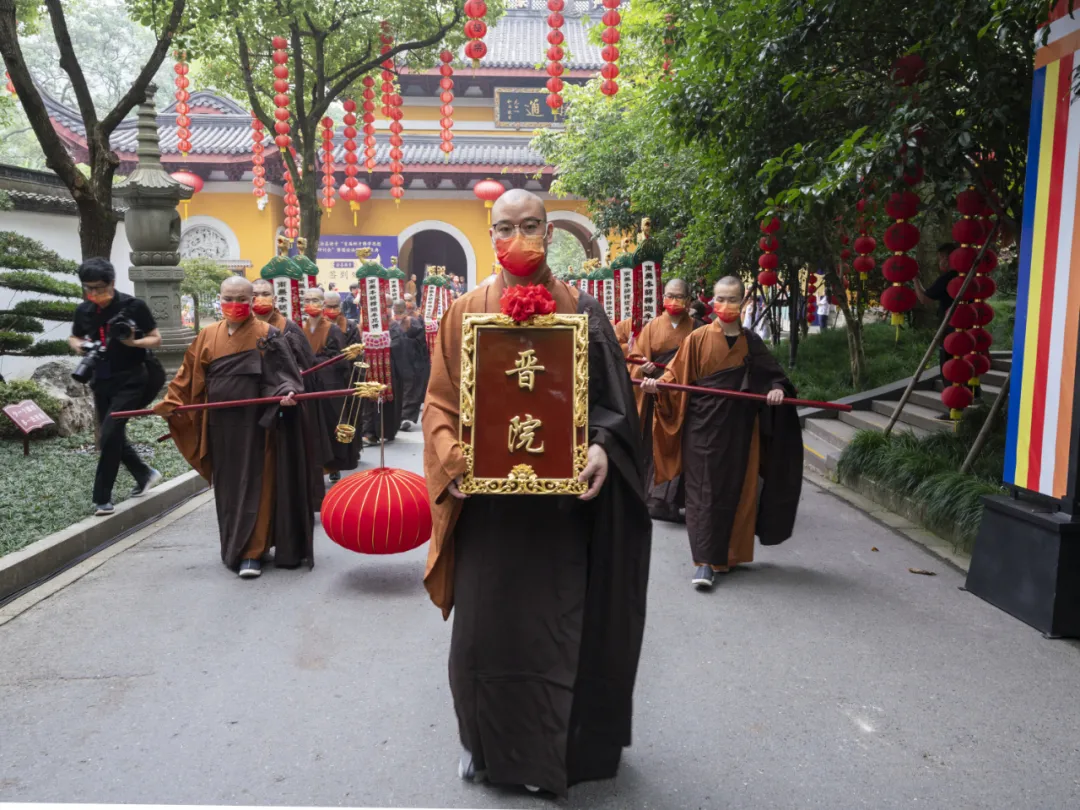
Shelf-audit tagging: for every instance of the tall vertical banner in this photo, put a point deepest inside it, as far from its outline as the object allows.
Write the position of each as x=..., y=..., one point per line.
x=1041, y=449
x=1025, y=559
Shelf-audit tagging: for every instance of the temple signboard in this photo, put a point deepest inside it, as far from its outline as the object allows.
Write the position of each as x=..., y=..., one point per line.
x=524, y=108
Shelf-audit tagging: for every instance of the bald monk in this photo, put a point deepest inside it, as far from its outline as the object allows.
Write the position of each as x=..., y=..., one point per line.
x=723, y=446
x=316, y=425
x=326, y=340
x=239, y=357
x=657, y=343
x=350, y=329
x=547, y=592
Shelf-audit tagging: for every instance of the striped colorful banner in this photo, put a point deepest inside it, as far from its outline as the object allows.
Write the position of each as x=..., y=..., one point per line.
x=1042, y=433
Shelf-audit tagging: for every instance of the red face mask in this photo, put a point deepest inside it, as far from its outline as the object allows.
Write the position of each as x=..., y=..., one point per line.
x=673, y=309
x=331, y=314
x=236, y=311
x=314, y=310
x=263, y=306
x=102, y=299
x=520, y=255
x=728, y=313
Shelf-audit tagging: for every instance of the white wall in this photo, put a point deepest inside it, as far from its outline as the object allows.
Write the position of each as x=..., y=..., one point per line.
x=60, y=233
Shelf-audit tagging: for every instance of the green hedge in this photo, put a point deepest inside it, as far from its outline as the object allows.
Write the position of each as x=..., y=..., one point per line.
x=48, y=348
x=11, y=321
x=47, y=310
x=18, y=390
x=14, y=342
x=18, y=252
x=29, y=281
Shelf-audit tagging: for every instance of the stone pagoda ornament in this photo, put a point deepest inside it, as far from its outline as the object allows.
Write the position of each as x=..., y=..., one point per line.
x=152, y=224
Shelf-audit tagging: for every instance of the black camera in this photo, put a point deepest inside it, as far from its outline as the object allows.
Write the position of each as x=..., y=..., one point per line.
x=120, y=327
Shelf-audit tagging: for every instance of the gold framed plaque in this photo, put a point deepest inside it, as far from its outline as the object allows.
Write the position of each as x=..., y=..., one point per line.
x=524, y=404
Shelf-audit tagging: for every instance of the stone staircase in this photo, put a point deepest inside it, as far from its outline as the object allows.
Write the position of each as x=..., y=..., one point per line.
x=826, y=434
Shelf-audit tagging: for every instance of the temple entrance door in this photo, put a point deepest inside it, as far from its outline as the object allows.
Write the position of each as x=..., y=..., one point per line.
x=432, y=248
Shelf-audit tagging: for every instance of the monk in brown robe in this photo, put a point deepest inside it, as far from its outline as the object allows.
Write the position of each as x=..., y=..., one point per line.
x=547, y=591
x=723, y=446
x=326, y=340
x=351, y=331
x=660, y=338
x=624, y=333
x=239, y=357
x=316, y=432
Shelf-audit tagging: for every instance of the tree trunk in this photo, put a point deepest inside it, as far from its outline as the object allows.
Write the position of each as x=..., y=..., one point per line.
x=97, y=228
x=195, y=312
x=311, y=213
x=793, y=316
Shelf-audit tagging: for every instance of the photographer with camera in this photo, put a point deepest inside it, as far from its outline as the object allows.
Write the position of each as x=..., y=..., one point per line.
x=113, y=331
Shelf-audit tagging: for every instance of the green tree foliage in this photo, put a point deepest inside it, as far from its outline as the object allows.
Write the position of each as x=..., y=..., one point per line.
x=565, y=251
x=792, y=108
x=333, y=44
x=202, y=280
x=28, y=266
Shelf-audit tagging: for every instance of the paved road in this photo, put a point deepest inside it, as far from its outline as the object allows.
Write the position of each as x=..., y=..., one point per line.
x=825, y=675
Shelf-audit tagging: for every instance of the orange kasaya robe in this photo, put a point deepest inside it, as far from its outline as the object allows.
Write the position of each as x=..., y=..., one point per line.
x=443, y=459
x=624, y=332
x=658, y=342
x=705, y=353
x=231, y=447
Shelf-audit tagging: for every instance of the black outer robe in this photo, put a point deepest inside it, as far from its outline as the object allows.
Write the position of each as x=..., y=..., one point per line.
x=391, y=416
x=416, y=385
x=348, y=454
x=345, y=456
x=549, y=606
x=716, y=441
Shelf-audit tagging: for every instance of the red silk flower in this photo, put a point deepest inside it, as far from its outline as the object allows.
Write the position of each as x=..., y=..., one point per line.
x=523, y=301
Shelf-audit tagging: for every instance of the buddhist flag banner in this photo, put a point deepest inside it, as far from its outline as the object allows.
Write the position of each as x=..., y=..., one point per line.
x=1041, y=449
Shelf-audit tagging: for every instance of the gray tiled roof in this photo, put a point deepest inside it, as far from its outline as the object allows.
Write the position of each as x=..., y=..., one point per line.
x=423, y=150
x=519, y=40
x=46, y=203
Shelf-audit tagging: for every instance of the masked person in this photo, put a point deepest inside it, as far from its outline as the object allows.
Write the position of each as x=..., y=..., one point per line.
x=723, y=446
x=416, y=384
x=314, y=426
x=384, y=419
x=236, y=449
x=547, y=592
x=660, y=338
x=350, y=460
x=123, y=375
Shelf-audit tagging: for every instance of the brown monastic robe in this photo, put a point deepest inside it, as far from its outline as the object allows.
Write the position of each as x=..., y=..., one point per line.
x=624, y=331
x=658, y=342
x=326, y=341
x=722, y=446
x=234, y=448
x=547, y=592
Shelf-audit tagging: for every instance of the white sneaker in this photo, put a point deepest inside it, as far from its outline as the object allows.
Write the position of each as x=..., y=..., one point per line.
x=466, y=769
x=406, y=425
x=141, y=489
x=532, y=788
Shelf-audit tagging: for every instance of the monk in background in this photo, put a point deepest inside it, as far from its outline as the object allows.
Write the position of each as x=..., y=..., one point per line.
x=350, y=329
x=624, y=334
x=658, y=341
x=723, y=446
x=236, y=449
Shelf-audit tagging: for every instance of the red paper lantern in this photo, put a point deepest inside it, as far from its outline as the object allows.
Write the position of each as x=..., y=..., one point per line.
x=980, y=363
x=475, y=29
x=555, y=55
x=770, y=226
x=957, y=370
x=983, y=339
x=959, y=344
x=768, y=261
x=183, y=134
x=767, y=278
x=610, y=53
x=900, y=269
x=188, y=179
x=447, y=122
x=963, y=317
x=281, y=101
x=380, y=511
x=970, y=294
x=901, y=237
x=257, y=159
x=902, y=205
x=361, y=192
x=968, y=231
x=898, y=300
x=489, y=191
x=956, y=398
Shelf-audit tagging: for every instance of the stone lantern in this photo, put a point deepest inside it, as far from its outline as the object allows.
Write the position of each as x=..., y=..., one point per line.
x=153, y=231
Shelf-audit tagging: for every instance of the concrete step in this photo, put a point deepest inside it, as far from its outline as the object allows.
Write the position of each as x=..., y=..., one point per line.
x=994, y=377
x=869, y=420
x=1001, y=363
x=928, y=399
x=832, y=431
x=818, y=454
x=988, y=391
x=914, y=414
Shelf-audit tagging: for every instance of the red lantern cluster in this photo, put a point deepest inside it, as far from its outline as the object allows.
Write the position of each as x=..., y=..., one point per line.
x=970, y=344
x=555, y=54
x=811, y=297
x=391, y=109
x=380, y=511
x=865, y=244
x=669, y=43
x=258, y=161
x=292, y=208
x=768, y=260
x=369, y=126
x=475, y=30
x=328, y=163
x=183, y=121
x=900, y=238
x=352, y=162
x=446, y=70
x=610, y=52
x=281, y=98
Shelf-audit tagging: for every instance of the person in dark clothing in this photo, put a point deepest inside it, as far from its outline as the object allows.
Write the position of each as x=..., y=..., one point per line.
x=125, y=376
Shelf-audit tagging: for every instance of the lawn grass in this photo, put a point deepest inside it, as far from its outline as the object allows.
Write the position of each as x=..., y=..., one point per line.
x=50, y=489
x=926, y=471
x=823, y=371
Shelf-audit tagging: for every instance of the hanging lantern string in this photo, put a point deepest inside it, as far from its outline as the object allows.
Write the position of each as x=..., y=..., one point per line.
x=258, y=160
x=475, y=30
x=555, y=54
x=610, y=52
x=183, y=120
x=446, y=84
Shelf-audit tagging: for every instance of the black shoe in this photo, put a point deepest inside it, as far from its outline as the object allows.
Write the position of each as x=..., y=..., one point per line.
x=249, y=569
x=101, y=509
x=704, y=577
x=141, y=489
x=371, y=441
x=335, y=477
x=406, y=425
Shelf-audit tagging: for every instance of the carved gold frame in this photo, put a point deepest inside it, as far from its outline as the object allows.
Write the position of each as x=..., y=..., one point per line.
x=522, y=480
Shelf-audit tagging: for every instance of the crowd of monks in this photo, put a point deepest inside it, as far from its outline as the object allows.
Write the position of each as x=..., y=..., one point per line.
x=547, y=593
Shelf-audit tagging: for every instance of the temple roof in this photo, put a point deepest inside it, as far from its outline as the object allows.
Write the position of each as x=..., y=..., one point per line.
x=519, y=39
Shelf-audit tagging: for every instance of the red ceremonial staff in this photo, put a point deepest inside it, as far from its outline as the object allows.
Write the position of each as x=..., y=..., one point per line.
x=240, y=403
x=718, y=392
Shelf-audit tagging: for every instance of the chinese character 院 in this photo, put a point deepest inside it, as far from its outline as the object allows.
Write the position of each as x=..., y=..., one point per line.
x=523, y=433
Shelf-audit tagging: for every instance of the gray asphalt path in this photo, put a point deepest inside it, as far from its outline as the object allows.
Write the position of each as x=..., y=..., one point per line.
x=824, y=676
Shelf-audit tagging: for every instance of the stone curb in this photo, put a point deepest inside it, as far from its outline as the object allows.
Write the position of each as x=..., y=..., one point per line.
x=935, y=545
x=45, y=557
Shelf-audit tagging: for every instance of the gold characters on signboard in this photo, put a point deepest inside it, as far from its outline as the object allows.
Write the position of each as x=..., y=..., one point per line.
x=523, y=434
x=526, y=367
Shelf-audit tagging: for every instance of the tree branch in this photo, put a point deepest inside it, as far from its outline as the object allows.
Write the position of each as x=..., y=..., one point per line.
x=56, y=155
x=70, y=63
x=137, y=92
x=253, y=97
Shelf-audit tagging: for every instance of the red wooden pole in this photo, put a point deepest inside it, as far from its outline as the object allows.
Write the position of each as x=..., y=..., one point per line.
x=640, y=361
x=239, y=403
x=722, y=392
x=323, y=364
